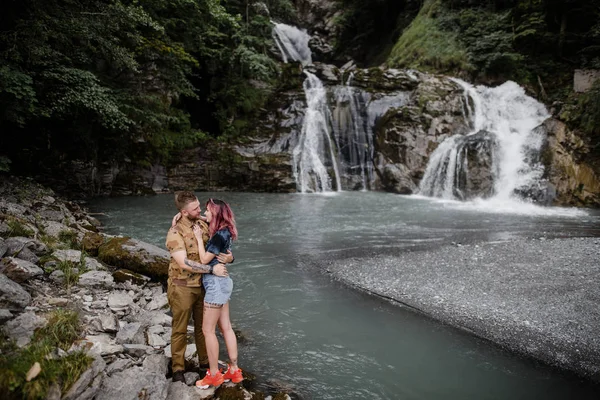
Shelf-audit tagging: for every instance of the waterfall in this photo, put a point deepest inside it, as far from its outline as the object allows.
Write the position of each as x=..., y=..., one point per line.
x=292, y=43
x=315, y=147
x=353, y=135
x=313, y=155
x=332, y=150
x=503, y=121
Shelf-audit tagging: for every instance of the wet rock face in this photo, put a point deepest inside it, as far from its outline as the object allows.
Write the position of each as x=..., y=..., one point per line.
x=406, y=136
x=572, y=181
x=477, y=178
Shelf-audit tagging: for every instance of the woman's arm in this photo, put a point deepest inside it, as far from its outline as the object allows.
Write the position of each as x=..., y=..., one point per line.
x=205, y=256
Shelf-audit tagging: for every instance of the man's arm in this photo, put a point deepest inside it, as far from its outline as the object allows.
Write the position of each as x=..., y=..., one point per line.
x=185, y=263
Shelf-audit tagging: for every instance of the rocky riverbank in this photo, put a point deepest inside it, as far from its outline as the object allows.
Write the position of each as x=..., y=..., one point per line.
x=538, y=298
x=55, y=266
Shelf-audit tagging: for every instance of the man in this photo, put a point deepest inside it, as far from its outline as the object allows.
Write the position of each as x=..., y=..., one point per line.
x=185, y=291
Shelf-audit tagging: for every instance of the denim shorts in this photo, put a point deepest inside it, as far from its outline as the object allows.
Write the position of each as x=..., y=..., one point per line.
x=218, y=289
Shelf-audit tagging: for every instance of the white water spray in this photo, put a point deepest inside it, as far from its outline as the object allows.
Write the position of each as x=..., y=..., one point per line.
x=511, y=117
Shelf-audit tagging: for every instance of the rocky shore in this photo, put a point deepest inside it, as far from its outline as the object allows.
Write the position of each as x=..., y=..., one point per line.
x=538, y=298
x=55, y=263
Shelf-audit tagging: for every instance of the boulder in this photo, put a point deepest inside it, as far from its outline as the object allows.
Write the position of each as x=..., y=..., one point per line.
x=137, y=256
x=133, y=384
x=21, y=328
x=96, y=279
x=15, y=245
x=12, y=296
x=396, y=179
x=19, y=270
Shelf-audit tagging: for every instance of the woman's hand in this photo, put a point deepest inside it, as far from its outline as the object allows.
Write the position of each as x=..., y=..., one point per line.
x=198, y=233
x=176, y=218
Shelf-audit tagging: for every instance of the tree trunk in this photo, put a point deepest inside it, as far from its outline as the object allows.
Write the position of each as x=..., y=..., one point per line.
x=563, y=32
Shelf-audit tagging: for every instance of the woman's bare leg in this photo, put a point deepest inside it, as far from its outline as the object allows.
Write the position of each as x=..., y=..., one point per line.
x=209, y=325
x=229, y=336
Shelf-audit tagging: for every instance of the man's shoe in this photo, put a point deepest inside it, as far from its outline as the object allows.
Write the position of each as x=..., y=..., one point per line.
x=178, y=376
x=235, y=377
x=210, y=380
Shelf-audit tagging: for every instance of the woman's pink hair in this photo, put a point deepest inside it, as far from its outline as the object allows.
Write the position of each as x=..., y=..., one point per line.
x=222, y=217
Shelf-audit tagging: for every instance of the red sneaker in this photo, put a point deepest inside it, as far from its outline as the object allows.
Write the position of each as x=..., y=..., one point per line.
x=235, y=377
x=210, y=380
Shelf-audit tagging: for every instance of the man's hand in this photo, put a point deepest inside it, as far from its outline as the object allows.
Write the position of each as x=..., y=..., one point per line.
x=225, y=258
x=220, y=270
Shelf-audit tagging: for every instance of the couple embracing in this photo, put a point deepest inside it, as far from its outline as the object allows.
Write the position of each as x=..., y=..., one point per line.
x=199, y=286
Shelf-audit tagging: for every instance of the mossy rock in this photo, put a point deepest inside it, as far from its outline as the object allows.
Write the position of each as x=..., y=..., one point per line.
x=91, y=242
x=137, y=256
x=123, y=275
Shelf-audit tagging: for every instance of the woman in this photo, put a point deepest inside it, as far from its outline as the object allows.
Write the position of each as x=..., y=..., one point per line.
x=218, y=291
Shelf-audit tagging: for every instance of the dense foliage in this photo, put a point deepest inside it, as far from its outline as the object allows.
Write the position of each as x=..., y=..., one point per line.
x=127, y=79
x=536, y=42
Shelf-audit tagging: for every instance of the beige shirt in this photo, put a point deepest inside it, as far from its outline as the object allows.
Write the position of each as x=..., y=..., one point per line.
x=181, y=237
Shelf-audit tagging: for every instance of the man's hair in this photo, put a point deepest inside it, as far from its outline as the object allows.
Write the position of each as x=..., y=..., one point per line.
x=184, y=198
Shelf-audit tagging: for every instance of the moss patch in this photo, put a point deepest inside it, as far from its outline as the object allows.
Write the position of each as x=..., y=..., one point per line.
x=62, y=329
x=424, y=46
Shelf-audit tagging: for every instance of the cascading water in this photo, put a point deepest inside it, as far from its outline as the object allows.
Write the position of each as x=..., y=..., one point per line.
x=292, y=43
x=503, y=135
x=315, y=148
x=332, y=150
x=353, y=135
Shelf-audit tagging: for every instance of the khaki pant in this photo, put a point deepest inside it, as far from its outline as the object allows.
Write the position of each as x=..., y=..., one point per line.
x=186, y=301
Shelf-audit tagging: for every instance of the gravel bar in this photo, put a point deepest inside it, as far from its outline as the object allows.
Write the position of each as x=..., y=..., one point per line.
x=539, y=298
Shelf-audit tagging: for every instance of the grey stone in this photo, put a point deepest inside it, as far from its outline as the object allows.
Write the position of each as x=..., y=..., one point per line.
x=108, y=322
x=28, y=255
x=158, y=302
x=73, y=256
x=58, y=301
x=96, y=279
x=87, y=381
x=136, y=350
x=54, y=229
x=12, y=295
x=156, y=363
x=91, y=264
x=19, y=270
x=132, y=384
x=103, y=345
x=16, y=244
x=191, y=378
x=5, y=315
x=21, y=328
x=57, y=276
x=118, y=365
x=131, y=333
x=180, y=391
x=119, y=301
